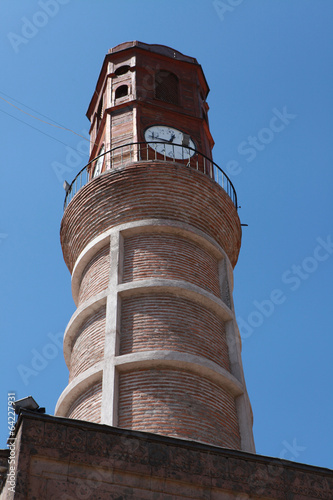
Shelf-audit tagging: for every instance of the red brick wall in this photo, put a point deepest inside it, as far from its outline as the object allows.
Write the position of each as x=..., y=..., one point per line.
x=159, y=321
x=176, y=403
x=88, y=405
x=166, y=401
x=95, y=276
x=150, y=190
x=154, y=255
x=88, y=347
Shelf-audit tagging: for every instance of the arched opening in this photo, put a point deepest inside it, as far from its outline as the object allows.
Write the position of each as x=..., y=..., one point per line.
x=166, y=86
x=121, y=91
x=122, y=70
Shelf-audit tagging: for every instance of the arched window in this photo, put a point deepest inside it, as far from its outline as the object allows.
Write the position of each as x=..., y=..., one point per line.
x=122, y=70
x=121, y=91
x=166, y=86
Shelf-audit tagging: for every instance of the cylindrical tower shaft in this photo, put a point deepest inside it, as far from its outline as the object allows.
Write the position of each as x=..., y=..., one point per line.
x=154, y=344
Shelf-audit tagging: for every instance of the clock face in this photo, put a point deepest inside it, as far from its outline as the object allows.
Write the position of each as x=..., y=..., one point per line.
x=170, y=142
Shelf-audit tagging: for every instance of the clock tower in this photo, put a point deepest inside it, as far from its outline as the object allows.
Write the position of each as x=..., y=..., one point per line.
x=149, y=93
x=151, y=235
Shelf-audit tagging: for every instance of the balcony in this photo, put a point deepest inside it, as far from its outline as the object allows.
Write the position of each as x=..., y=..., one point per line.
x=123, y=155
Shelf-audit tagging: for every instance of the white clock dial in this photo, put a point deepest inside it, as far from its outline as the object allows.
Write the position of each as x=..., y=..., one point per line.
x=170, y=142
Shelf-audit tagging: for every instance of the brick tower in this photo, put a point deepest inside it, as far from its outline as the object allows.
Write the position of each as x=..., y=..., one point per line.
x=150, y=234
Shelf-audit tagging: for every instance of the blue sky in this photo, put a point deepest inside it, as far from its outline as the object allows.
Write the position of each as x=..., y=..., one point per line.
x=269, y=68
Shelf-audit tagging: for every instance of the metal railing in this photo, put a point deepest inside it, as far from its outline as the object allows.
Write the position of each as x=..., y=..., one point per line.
x=149, y=151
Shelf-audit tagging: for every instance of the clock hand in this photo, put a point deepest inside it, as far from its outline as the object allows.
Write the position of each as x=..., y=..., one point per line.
x=167, y=141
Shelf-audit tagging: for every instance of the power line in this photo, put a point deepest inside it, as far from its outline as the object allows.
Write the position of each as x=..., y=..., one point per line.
x=38, y=130
x=55, y=124
x=34, y=110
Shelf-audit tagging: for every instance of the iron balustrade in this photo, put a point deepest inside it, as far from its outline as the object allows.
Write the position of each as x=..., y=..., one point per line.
x=150, y=151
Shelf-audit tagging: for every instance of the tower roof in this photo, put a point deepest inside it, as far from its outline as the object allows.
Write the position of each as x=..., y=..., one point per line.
x=161, y=50
x=157, y=48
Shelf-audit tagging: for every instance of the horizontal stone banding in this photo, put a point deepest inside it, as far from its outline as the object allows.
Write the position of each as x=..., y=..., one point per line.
x=82, y=314
x=162, y=321
x=147, y=226
x=180, y=361
x=180, y=289
x=78, y=386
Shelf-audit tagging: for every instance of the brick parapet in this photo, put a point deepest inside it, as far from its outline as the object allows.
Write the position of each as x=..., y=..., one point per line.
x=70, y=458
